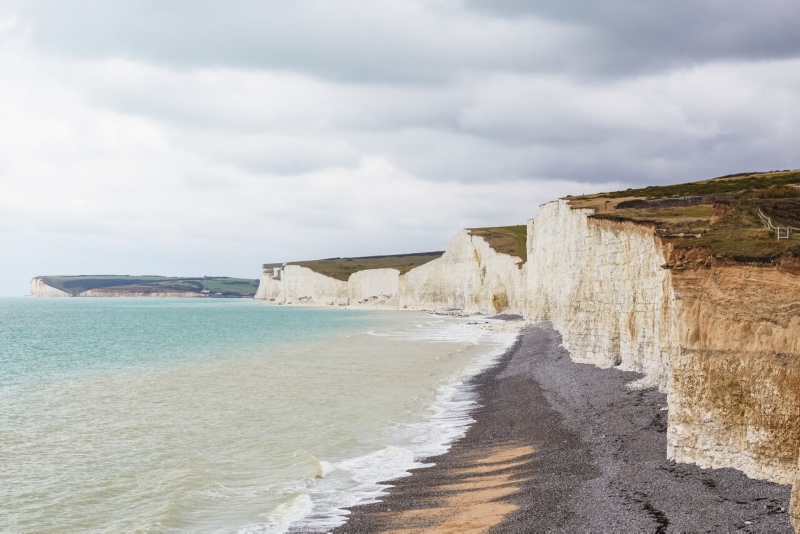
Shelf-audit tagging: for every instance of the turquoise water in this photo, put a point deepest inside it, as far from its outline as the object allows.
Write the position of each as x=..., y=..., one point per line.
x=59, y=339
x=183, y=415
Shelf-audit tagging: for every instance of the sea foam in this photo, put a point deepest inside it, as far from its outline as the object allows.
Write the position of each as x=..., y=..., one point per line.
x=445, y=420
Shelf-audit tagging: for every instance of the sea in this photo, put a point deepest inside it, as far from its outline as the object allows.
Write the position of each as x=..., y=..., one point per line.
x=217, y=415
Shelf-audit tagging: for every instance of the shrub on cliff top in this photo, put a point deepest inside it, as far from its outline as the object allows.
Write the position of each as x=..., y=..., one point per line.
x=775, y=191
x=708, y=187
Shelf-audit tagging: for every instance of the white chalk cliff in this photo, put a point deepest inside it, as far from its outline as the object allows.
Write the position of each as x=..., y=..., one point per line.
x=602, y=286
x=293, y=284
x=39, y=289
x=470, y=276
x=373, y=288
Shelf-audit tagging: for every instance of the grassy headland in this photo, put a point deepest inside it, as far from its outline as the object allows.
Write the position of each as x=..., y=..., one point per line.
x=731, y=183
x=219, y=286
x=721, y=214
x=342, y=268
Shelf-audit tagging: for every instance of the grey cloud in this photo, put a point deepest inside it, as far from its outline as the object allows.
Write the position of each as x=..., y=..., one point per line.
x=420, y=42
x=483, y=123
x=529, y=90
x=649, y=35
x=644, y=130
x=413, y=42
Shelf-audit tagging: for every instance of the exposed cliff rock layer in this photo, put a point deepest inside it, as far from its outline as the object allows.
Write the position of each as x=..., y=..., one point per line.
x=735, y=395
x=373, y=287
x=722, y=338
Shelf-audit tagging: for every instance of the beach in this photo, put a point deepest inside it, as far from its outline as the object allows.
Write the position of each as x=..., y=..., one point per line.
x=559, y=446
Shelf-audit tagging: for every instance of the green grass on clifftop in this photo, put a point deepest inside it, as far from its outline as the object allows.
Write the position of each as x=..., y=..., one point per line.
x=729, y=228
x=511, y=240
x=725, y=184
x=342, y=268
x=741, y=235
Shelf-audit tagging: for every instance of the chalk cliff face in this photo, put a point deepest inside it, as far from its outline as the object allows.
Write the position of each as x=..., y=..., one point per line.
x=722, y=340
x=373, y=288
x=470, y=276
x=301, y=285
x=602, y=286
x=270, y=287
x=39, y=289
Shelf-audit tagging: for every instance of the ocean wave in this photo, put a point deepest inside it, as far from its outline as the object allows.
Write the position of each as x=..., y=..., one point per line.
x=436, y=331
x=281, y=518
x=362, y=480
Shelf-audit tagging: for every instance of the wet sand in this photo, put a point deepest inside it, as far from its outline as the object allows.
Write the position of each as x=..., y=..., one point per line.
x=564, y=447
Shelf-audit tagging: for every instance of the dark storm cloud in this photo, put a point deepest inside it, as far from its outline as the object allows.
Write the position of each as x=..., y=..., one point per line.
x=652, y=34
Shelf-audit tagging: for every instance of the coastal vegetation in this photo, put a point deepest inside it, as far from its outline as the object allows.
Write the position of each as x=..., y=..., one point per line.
x=725, y=215
x=509, y=240
x=724, y=184
x=342, y=268
x=213, y=285
x=740, y=234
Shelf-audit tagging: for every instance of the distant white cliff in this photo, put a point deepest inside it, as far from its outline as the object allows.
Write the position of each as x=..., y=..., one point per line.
x=39, y=289
x=470, y=276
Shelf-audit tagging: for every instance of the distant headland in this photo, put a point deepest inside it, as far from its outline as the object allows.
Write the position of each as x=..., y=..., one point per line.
x=142, y=286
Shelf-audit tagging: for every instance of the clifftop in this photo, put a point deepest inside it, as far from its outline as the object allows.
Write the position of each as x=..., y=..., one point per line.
x=342, y=268
x=508, y=240
x=732, y=217
x=505, y=239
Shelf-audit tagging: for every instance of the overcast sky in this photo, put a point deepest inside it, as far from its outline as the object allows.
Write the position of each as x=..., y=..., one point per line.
x=198, y=137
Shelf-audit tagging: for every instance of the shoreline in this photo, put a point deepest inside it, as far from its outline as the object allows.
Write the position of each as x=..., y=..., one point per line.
x=442, y=420
x=563, y=446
